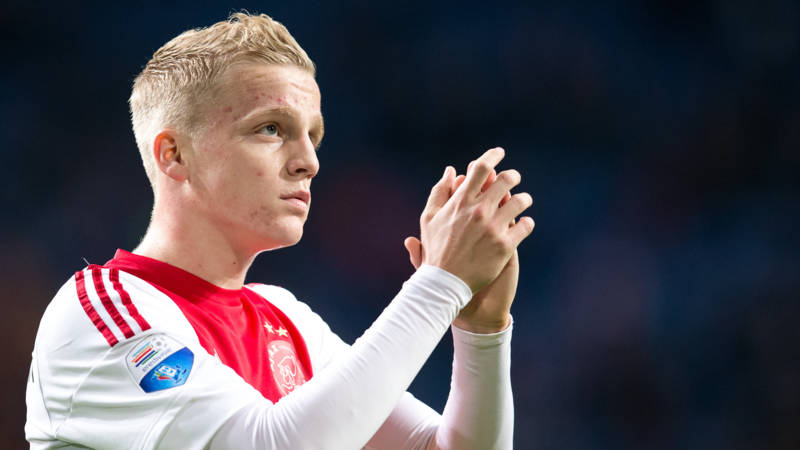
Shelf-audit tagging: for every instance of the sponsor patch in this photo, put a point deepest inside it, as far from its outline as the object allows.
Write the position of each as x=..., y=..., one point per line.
x=159, y=362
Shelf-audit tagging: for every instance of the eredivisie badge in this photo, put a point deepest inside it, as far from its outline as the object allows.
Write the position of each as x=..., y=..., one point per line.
x=159, y=362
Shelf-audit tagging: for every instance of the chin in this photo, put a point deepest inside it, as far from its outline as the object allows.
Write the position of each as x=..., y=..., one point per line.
x=275, y=241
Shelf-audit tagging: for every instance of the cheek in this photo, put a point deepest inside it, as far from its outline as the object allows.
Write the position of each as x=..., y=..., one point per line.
x=261, y=214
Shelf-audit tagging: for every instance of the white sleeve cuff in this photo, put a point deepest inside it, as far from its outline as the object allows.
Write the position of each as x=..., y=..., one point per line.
x=481, y=340
x=446, y=282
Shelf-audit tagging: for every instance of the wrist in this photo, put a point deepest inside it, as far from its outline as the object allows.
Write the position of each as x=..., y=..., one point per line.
x=483, y=326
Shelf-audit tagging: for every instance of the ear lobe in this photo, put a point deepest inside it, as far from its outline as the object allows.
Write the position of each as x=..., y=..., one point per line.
x=168, y=156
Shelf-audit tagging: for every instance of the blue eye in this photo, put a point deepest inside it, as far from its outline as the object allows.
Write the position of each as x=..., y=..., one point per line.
x=269, y=129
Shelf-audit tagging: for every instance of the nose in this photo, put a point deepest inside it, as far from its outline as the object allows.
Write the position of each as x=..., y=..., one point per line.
x=303, y=162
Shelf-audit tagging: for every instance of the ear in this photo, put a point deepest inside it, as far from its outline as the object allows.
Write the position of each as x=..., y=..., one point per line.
x=168, y=157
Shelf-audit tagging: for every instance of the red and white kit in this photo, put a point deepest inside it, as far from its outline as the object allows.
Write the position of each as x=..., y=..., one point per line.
x=138, y=354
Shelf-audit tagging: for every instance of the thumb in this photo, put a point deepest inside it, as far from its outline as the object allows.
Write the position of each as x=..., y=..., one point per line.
x=414, y=247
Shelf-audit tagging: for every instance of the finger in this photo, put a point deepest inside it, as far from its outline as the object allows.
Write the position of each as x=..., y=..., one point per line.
x=506, y=180
x=440, y=192
x=514, y=207
x=414, y=247
x=521, y=230
x=481, y=168
x=505, y=198
x=489, y=180
x=459, y=180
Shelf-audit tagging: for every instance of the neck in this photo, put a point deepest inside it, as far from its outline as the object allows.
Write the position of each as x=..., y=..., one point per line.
x=195, y=246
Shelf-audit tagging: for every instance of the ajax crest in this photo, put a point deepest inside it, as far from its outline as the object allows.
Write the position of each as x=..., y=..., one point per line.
x=286, y=370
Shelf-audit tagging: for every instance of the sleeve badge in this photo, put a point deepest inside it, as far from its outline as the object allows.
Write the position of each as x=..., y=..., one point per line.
x=159, y=362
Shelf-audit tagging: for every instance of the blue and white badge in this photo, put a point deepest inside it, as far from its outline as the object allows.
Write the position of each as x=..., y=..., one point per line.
x=159, y=362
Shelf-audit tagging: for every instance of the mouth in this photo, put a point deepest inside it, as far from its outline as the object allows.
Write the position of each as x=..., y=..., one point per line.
x=300, y=198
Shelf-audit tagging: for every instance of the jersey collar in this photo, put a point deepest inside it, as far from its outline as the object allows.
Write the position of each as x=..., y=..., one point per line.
x=174, y=279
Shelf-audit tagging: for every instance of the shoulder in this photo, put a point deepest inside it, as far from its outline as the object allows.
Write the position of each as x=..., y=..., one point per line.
x=281, y=298
x=101, y=308
x=110, y=341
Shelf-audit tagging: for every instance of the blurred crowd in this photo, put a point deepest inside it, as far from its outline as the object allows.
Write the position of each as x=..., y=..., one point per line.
x=658, y=304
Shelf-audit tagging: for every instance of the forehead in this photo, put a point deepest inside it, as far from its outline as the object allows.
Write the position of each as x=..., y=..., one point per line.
x=245, y=87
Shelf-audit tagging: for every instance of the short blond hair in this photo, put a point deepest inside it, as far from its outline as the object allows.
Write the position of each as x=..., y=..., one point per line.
x=182, y=75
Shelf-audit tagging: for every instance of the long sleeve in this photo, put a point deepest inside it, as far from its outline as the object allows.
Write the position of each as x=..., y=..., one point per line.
x=480, y=408
x=479, y=414
x=344, y=405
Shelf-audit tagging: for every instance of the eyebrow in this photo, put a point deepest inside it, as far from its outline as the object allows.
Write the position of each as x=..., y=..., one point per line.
x=291, y=113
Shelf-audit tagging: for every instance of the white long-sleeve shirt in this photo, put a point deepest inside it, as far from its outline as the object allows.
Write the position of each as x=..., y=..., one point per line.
x=139, y=354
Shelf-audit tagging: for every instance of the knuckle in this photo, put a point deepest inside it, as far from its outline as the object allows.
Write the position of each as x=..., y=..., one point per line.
x=500, y=241
x=479, y=213
x=483, y=166
x=527, y=225
x=523, y=200
x=505, y=177
x=510, y=176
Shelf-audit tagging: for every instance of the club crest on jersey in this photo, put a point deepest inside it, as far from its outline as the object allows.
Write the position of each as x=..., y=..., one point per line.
x=285, y=369
x=159, y=362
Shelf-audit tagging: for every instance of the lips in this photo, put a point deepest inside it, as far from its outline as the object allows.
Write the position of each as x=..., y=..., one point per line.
x=303, y=196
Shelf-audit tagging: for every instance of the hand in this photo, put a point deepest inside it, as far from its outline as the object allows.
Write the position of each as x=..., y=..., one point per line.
x=489, y=309
x=466, y=232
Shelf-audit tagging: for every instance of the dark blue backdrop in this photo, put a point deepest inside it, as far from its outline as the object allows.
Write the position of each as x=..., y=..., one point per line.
x=658, y=299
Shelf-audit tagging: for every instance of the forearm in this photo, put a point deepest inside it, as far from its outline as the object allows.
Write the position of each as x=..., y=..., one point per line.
x=343, y=406
x=479, y=413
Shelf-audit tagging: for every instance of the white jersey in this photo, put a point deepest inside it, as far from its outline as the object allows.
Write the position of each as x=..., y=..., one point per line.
x=121, y=361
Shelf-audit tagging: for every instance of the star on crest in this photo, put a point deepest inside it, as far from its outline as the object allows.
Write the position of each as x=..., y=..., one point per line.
x=268, y=326
x=282, y=332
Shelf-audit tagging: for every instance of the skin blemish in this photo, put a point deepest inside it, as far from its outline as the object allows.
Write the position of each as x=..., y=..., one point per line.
x=228, y=109
x=260, y=173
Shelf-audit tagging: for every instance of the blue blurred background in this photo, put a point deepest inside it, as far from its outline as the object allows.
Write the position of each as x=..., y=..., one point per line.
x=658, y=301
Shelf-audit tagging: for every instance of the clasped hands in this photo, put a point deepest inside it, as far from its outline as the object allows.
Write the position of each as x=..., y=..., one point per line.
x=468, y=228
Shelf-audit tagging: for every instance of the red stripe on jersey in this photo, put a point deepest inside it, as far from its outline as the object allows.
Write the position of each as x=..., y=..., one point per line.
x=100, y=287
x=113, y=275
x=80, y=286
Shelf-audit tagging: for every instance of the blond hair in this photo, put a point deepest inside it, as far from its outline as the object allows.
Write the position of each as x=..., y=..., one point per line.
x=182, y=75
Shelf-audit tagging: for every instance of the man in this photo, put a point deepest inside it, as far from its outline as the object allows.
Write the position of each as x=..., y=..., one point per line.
x=164, y=347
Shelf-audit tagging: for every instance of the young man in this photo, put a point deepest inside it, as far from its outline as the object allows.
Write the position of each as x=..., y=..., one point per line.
x=164, y=347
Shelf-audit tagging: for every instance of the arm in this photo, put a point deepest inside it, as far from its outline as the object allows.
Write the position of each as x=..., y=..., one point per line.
x=467, y=235
x=346, y=403
x=479, y=413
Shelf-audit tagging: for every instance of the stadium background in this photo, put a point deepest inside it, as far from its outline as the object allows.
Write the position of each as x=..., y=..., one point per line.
x=658, y=301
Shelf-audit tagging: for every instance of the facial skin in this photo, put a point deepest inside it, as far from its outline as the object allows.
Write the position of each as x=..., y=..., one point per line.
x=254, y=160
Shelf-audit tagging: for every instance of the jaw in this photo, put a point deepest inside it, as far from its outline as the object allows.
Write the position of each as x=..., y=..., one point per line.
x=284, y=233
